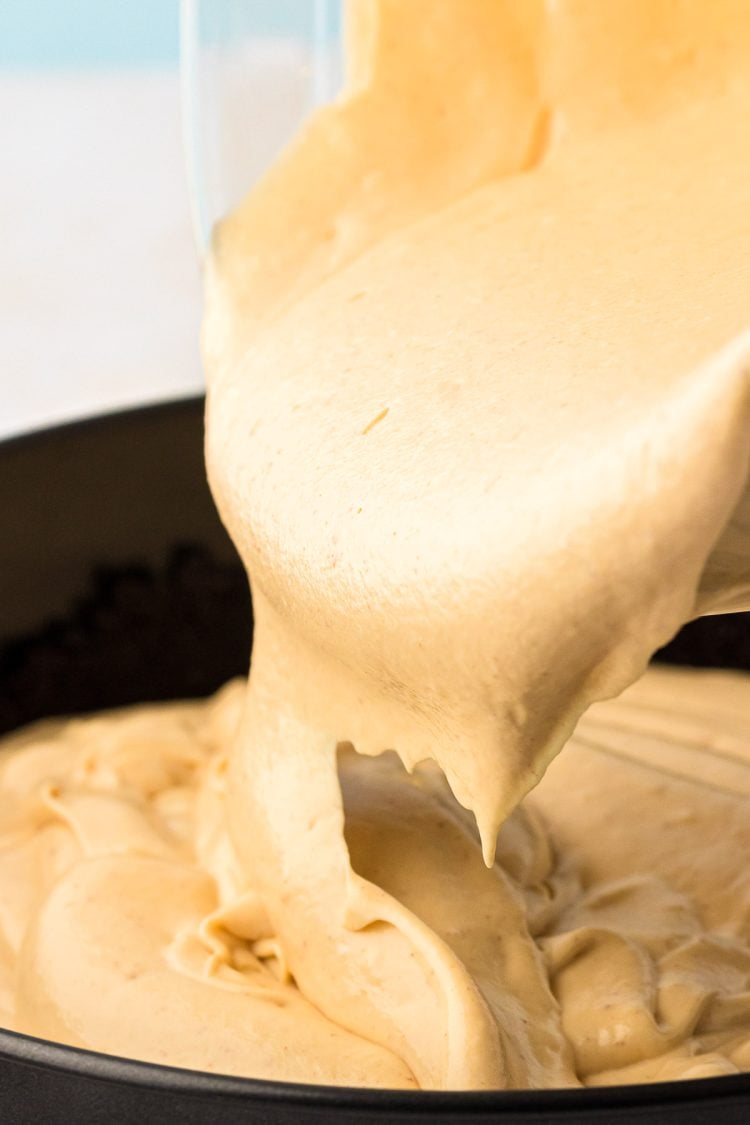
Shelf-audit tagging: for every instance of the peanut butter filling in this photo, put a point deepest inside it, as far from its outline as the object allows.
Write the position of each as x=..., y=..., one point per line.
x=478, y=355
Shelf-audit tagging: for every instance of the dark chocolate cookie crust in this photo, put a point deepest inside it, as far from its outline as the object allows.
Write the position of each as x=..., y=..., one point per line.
x=145, y=634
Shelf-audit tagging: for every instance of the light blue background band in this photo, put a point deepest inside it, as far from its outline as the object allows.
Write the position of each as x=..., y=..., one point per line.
x=70, y=34
x=52, y=34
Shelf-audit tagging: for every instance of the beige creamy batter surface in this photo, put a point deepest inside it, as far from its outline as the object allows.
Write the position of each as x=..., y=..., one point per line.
x=478, y=351
x=616, y=916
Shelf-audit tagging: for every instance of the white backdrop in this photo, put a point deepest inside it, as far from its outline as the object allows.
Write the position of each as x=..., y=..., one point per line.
x=99, y=281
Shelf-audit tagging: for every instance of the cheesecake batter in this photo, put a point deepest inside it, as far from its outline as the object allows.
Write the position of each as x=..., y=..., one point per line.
x=478, y=354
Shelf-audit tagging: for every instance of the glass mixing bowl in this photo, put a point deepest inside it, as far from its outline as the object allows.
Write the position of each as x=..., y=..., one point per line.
x=251, y=72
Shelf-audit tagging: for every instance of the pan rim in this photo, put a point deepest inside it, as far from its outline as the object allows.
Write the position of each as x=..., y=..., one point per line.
x=116, y=1070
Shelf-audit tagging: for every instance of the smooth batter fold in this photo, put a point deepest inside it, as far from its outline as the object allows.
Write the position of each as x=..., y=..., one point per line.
x=478, y=354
